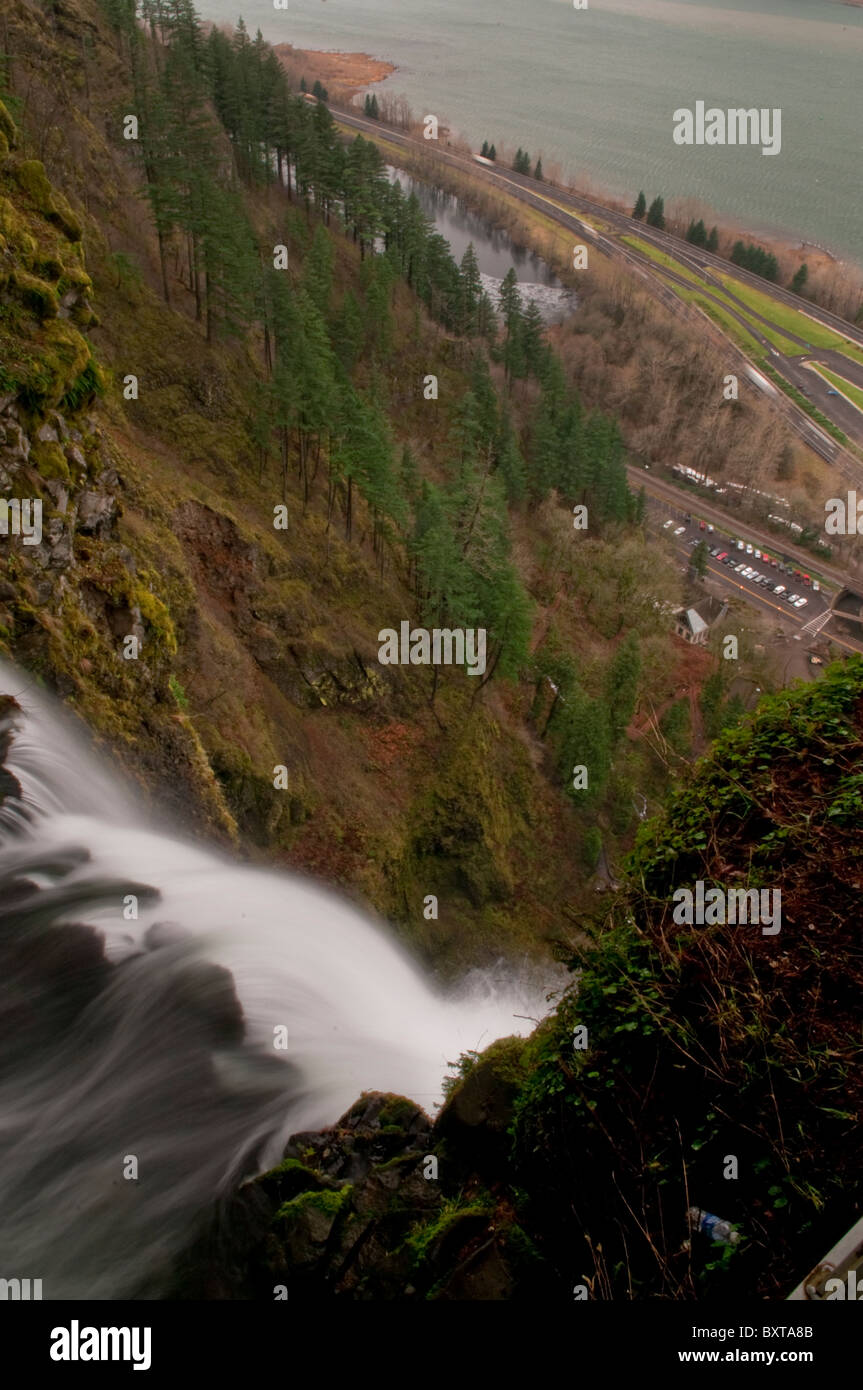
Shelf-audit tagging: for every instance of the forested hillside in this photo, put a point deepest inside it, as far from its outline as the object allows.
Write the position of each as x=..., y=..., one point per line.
x=269, y=416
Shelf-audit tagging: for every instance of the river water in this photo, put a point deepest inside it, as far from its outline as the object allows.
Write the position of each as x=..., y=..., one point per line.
x=495, y=252
x=595, y=90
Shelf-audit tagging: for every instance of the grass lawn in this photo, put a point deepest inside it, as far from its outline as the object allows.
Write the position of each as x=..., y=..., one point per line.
x=793, y=320
x=847, y=388
x=661, y=259
x=736, y=332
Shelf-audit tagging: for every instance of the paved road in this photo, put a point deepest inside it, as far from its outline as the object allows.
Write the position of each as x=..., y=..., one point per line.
x=563, y=207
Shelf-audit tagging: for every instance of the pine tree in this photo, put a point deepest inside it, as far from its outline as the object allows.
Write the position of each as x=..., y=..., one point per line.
x=713, y=241
x=471, y=292
x=640, y=207
x=492, y=152
x=799, y=280
x=621, y=684
x=484, y=150
x=656, y=214
x=537, y=173
x=533, y=339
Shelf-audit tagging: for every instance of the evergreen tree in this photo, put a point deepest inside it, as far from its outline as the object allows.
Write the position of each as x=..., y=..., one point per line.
x=800, y=277
x=533, y=339
x=621, y=684
x=640, y=207
x=656, y=214
x=471, y=292
x=492, y=152
x=537, y=173
x=698, y=559
x=484, y=150
x=713, y=241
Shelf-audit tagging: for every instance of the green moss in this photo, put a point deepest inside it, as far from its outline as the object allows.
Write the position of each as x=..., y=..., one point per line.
x=31, y=177
x=50, y=460
x=330, y=1203
x=428, y=1233
x=64, y=217
x=396, y=1113
x=156, y=615
x=37, y=295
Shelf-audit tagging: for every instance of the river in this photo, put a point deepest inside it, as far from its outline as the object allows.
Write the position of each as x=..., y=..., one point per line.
x=595, y=90
x=496, y=253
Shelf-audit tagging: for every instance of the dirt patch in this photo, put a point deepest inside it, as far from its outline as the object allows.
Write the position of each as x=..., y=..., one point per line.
x=346, y=73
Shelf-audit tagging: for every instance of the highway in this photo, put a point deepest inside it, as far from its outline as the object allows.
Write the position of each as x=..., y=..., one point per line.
x=563, y=207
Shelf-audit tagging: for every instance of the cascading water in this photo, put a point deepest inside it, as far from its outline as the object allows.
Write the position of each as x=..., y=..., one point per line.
x=154, y=1039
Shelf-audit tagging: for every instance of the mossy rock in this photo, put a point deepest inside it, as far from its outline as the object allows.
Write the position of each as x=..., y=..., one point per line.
x=49, y=459
x=36, y=295
x=63, y=216
x=64, y=357
x=31, y=177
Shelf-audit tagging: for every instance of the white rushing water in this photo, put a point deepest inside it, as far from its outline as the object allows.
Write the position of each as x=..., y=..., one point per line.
x=148, y=1067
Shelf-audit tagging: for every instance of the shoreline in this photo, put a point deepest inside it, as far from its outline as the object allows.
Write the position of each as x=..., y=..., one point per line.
x=346, y=74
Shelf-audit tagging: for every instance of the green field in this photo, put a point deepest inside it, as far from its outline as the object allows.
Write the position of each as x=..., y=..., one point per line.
x=816, y=334
x=661, y=259
x=854, y=393
x=781, y=343
x=736, y=332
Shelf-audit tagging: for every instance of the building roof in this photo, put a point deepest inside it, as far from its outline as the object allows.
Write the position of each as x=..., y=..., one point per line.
x=695, y=621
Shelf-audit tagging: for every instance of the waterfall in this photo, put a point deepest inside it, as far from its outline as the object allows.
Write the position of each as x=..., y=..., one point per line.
x=146, y=986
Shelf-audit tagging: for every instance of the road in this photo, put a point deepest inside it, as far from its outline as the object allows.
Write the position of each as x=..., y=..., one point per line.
x=660, y=511
x=563, y=207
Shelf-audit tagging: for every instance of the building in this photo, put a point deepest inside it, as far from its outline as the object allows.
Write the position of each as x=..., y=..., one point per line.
x=694, y=624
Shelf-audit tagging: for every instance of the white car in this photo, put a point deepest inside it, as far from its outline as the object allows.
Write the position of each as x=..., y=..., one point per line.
x=749, y=550
x=738, y=568
x=800, y=603
x=816, y=587
x=792, y=598
x=680, y=530
x=739, y=545
x=758, y=554
x=668, y=523
x=779, y=590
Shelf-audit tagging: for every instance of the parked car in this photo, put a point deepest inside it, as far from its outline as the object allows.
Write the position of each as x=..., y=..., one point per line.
x=668, y=523
x=801, y=603
x=779, y=590
x=758, y=554
x=738, y=568
x=709, y=529
x=748, y=549
x=831, y=392
x=792, y=598
x=679, y=530
x=721, y=555
x=739, y=545
x=816, y=586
